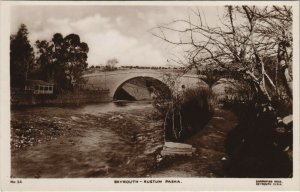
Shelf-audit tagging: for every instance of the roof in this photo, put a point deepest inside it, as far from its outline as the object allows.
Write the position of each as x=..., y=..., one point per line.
x=37, y=82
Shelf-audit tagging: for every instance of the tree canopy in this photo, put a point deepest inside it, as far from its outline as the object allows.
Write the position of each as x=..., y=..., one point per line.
x=62, y=60
x=111, y=64
x=21, y=57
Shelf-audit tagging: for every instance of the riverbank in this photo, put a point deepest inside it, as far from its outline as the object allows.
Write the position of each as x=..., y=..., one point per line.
x=77, y=97
x=210, y=156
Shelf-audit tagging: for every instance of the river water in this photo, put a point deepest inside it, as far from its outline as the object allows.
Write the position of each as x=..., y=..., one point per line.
x=117, y=139
x=115, y=106
x=93, y=109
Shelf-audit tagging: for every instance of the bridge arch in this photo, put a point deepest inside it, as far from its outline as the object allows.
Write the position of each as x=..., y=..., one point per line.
x=152, y=84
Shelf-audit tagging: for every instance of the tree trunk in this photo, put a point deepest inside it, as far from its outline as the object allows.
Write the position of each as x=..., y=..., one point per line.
x=288, y=80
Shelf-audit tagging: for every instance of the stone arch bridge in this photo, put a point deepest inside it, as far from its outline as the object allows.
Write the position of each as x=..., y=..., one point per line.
x=112, y=80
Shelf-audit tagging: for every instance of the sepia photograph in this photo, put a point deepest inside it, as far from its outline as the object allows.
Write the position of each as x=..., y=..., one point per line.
x=152, y=93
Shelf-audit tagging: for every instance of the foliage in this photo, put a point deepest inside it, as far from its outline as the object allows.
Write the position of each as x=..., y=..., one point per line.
x=111, y=64
x=197, y=108
x=252, y=45
x=212, y=74
x=246, y=37
x=186, y=111
x=161, y=101
x=21, y=57
x=254, y=148
x=62, y=60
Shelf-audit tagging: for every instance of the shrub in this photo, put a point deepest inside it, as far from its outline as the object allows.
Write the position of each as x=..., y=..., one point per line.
x=186, y=113
x=252, y=146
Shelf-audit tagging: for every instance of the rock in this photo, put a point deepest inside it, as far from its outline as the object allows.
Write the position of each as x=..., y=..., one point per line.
x=287, y=148
x=280, y=130
x=287, y=119
x=219, y=118
x=171, y=148
x=173, y=153
x=279, y=120
x=177, y=145
x=75, y=118
x=159, y=158
x=116, y=117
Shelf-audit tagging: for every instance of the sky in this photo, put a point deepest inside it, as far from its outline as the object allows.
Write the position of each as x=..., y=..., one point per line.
x=121, y=32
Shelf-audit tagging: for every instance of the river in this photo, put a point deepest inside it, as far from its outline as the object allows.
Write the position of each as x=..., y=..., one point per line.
x=115, y=106
x=118, y=139
x=85, y=109
x=121, y=139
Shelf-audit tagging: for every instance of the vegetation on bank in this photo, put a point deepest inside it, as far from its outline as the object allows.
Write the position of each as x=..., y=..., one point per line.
x=185, y=111
x=61, y=60
x=252, y=46
x=188, y=113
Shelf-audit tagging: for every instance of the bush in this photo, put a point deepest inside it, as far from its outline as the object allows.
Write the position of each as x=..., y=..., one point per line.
x=252, y=146
x=187, y=113
x=284, y=106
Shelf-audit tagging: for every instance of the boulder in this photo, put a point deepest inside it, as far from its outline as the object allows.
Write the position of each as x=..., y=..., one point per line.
x=75, y=118
x=172, y=148
x=287, y=119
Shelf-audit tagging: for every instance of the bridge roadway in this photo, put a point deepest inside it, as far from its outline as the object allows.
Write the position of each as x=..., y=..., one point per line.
x=112, y=80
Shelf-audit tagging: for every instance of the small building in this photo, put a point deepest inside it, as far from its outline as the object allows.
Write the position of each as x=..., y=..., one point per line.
x=39, y=87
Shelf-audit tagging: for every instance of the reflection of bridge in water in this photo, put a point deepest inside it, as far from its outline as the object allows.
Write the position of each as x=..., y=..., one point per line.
x=113, y=80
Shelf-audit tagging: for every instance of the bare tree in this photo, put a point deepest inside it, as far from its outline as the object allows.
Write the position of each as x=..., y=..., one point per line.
x=246, y=36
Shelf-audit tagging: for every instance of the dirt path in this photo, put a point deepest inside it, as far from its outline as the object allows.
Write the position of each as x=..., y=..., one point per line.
x=210, y=150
